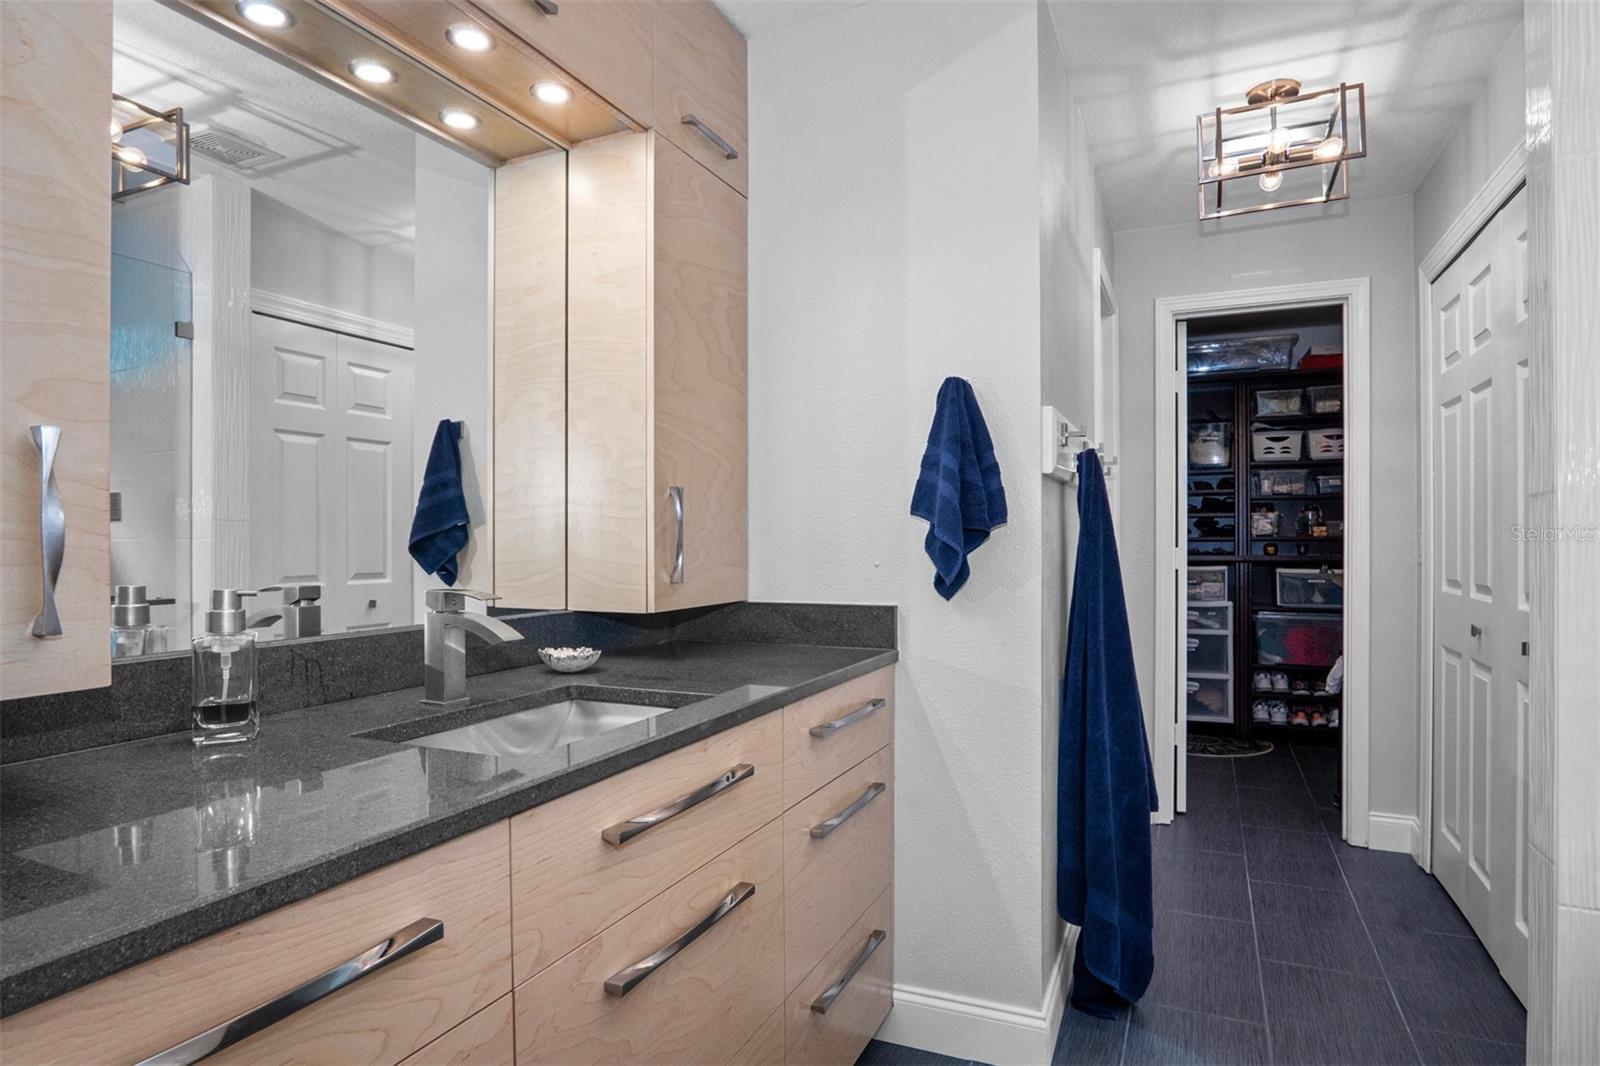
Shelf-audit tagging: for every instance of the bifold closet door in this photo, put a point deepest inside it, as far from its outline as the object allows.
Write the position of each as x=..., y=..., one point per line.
x=1479, y=354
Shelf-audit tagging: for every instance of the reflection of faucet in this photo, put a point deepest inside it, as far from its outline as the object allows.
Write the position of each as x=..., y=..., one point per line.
x=444, y=643
x=300, y=612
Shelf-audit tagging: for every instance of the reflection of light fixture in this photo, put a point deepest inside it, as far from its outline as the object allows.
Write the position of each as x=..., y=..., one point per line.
x=469, y=37
x=264, y=13
x=149, y=148
x=1281, y=137
x=372, y=72
x=458, y=119
x=551, y=92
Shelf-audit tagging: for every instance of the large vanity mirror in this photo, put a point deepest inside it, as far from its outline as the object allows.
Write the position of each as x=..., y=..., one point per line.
x=295, y=320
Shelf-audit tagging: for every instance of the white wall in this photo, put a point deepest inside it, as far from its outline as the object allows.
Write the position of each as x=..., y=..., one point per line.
x=293, y=255
x=1358, y=238
x=1490, y=131
x=894, y=240
x=1073, y=223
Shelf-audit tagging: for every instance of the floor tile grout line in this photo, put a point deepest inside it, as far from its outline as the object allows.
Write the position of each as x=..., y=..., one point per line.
x=1127, y=1025
x=1255, y=940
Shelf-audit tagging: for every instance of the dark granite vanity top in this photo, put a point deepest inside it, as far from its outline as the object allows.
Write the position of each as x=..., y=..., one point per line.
x=116, y=854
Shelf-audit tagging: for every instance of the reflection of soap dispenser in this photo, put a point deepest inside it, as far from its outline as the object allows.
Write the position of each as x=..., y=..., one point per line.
x=132, y=633
x=225, y=673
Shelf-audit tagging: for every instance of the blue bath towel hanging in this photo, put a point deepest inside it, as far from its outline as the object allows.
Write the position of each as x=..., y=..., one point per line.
x=439, y=528
x=1105, y=785
x=958, y=491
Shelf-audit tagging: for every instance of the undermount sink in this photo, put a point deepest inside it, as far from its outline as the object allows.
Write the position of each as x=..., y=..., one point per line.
x=538, y=729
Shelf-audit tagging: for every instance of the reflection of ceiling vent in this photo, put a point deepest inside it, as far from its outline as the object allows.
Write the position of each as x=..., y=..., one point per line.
x=232, y=149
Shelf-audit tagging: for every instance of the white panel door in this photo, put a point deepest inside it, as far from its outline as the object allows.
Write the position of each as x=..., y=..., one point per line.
x=1480, y=340
x=330, y=470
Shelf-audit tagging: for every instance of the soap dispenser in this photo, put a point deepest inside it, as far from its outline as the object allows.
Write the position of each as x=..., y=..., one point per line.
x=132, y=632
x=225, y=673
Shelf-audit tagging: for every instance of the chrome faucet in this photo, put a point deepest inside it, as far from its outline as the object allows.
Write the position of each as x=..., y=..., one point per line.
x=444, y=643
x=300, y=612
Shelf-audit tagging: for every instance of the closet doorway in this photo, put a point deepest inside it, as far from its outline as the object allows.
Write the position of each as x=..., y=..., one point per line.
x=1261, y=610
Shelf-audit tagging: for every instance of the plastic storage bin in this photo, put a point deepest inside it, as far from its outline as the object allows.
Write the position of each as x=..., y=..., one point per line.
x=1280, y=402
x=1330, y=484
x=1210, y=617
x=1210, y=699
x=1276, y=445
x=1281, y=482
x=1208, y=584
x=1210, y=444
x=1284, y=638
x=1325, y=399
x=1310, y=588
x=1209, y=653
x=1325, y=444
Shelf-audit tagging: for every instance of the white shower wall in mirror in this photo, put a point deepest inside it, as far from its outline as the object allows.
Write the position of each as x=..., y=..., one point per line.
x=278, y=425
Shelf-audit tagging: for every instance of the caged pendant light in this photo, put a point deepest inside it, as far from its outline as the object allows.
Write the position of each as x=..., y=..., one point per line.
x=1283, y=148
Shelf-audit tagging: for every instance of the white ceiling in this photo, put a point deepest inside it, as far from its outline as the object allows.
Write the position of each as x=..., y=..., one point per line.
x=345, y=165
x=755, y=17
x=1143, y=70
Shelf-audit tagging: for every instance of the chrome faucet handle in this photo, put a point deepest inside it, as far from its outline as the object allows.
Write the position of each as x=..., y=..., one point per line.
x=296, y=594
x=454, y=601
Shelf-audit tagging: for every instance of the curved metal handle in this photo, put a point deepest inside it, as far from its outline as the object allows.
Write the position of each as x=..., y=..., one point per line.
x=624, y=981
x=676, y=492
x=619, y=834
x=419, y=934
x=824, y=1001
x=549, y=7
x=728, y=151
x=52, y=530
x=829, y=728
x=873, y=791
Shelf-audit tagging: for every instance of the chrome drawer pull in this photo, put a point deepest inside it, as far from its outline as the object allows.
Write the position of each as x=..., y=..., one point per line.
x=619, y=834
x=728, y=151
x=676, y=492
x=873, y=791
x=52, y=530
x=419, y=934
x=624, y=981
x=829, y=728
x=549, y=7
x=824, y=1001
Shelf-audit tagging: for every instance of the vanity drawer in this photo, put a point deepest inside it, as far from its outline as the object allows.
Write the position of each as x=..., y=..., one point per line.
x=702, y=1004
x=838, y=855
x=826, y=734
x=766, y=1047
x=569, y=881
x=485, y=1039
x=833, y=1013
x=380, y=1018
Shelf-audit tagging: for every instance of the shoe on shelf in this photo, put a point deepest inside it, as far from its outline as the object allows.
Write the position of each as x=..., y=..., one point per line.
x=1318, y=718
x=1299, y=717
x=1280, y=682
x=1279, y=711
x=1259, y=711
x=1262, y=681
x=1333, y=717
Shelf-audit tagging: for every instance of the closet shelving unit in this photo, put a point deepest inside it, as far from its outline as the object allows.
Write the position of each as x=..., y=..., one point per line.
x=1253, y=634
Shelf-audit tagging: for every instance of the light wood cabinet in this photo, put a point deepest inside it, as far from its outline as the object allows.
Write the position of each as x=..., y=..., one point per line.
x=826, y=734
x=485, y=1039
x=656, y=423
x=605, y=44
x=55, y=331
x=701, y=74
x=860, y=1004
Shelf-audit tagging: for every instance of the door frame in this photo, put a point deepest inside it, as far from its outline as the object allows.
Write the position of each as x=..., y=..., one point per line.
x=1510, y=176
x=1107, y=422
x=1171, y=381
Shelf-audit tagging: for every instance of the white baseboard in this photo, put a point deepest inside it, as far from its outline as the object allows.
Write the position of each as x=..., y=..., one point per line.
x=1394, y=832
x=981, y=1030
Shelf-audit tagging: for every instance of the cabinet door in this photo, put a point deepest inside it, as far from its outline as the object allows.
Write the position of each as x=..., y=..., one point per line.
x=698, y=496
x=605, y=44
x=700, y=72
x=55, y=331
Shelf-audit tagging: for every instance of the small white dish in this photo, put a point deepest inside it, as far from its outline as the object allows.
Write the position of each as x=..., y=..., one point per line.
x=569, y=660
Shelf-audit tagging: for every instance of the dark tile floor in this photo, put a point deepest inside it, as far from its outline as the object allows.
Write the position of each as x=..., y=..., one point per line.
x=1278, y=943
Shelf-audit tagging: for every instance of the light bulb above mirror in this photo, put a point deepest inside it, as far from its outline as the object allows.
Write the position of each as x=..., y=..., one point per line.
x=264, y=13
x=372, y=72
x=458, y=119
x=469, y=37
x=1271, y=181
x=551, y=92
x=1330, y=148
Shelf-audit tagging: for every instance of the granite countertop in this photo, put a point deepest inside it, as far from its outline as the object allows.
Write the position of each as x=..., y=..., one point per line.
x=117, y=854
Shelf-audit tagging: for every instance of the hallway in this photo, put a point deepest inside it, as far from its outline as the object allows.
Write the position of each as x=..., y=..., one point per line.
x=1276, y=942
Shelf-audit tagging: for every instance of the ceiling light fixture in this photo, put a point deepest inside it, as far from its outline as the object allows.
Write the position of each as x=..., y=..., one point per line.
x=458, y=119
x=551, y=92
x=263, y=13
x=469, y=37
x=372, y=72
x=149, y=148
x=1281, y=137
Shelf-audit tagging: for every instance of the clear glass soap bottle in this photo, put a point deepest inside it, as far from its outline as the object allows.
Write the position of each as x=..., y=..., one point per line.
x=225, y=673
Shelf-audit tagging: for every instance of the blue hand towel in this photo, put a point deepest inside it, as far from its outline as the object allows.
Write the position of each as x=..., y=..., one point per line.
x=439, y=529
x=958, y=490
x=1105, y=785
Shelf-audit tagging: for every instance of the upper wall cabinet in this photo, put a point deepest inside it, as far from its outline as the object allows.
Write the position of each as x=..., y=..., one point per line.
x=55, y=312
x=606, y=44
x=700, y=88
x=656, y=424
